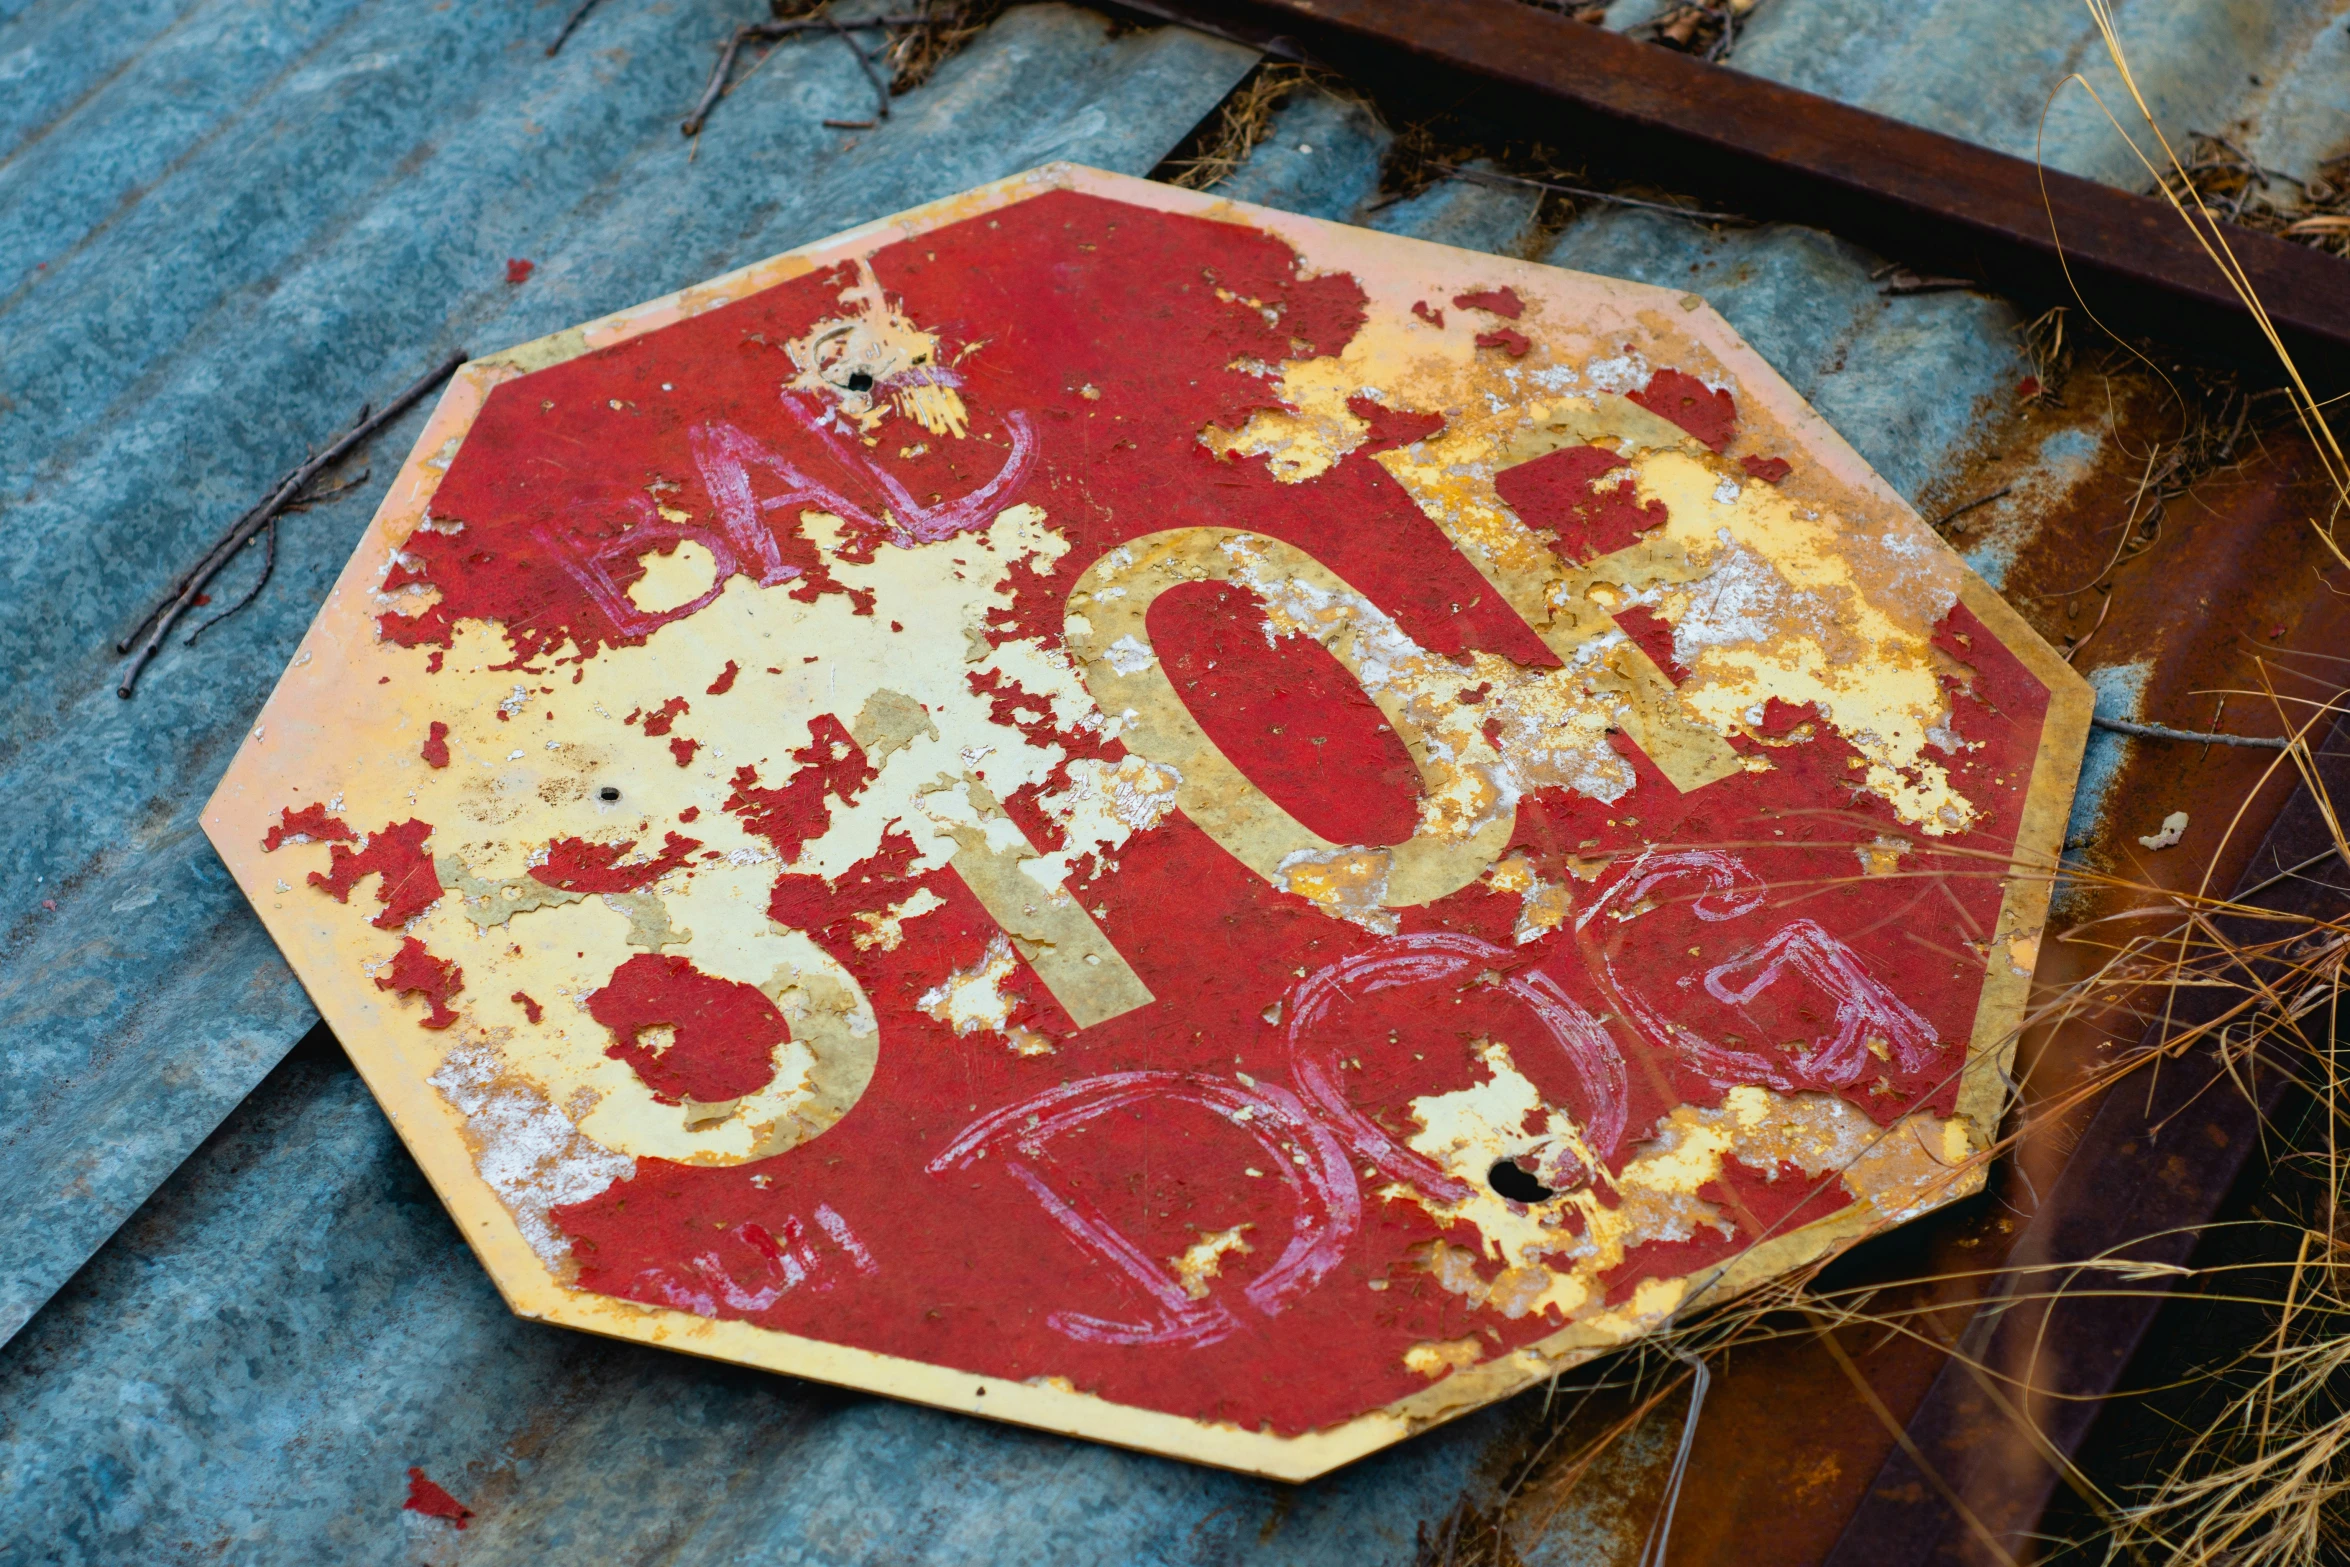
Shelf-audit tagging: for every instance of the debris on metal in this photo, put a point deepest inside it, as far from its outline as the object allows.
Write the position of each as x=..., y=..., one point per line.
x=1010, y=733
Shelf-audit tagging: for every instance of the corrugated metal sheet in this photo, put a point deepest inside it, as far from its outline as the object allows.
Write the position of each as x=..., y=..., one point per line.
x=222, y=226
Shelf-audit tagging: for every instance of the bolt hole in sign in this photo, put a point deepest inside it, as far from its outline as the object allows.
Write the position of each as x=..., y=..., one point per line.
x=1170, y=822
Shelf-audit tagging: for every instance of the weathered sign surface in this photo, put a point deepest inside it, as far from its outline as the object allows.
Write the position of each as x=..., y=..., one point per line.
x=1158, y=819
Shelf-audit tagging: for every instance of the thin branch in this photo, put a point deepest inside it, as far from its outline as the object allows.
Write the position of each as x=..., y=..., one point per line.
x=268, y=565
x=570, y=26
x=166, y=614
x=2124, y=726
x=880, y=87
x=1956, y=512
x=769, y=32
x=692, y=124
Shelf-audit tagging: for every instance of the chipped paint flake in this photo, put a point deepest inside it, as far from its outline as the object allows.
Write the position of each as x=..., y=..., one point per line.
x=531, y=1154
x=1438, y=1356
x=1203, y=1260
x=972, y=999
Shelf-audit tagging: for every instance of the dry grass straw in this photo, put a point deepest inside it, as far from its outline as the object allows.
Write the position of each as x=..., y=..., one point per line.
x=914, y=54
x=1243, y=121
x=2266, y=1483
x=2315, y=211
x=2178, y=187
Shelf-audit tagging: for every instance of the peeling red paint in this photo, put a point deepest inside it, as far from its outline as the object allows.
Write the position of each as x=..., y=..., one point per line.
x=424, y=1496
x=684, y=749
x=831, y=767
x=555, y=584
x=1768, y=469
x=519, y=270
x=310, y=822
x=1321, y=314
x=431, y=628
x=530, y=1009
x=1422, y=309
x=1653, y=635
x=1392, y=427
x=406, y=884
x=1559, y=493
x=1753, y=1201
x=828, y=910
x=1514, y=343
x=575, y=865
x=435, y=749
x=1502, y=302
x=414, y=970
x=1032, y=716
x=658, y=721
x=725, y=1032
x=725, y=681
x=1709, y=415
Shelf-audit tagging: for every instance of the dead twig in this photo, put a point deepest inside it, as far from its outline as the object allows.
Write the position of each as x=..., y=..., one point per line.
x=773, y=32
x=1708, y=31
x=1956, y=512
x=268, y=565
x=2046, y=350
x=915, y=53
x=880, y=87
x=1903, y=281
x=2125, y=726
x=302, y=502
x=2238, y=187
x=692, y=124
x=292, y=489
x=570, y=26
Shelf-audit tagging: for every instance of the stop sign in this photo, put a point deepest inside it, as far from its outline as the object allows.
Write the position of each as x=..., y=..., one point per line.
x=1159, y=819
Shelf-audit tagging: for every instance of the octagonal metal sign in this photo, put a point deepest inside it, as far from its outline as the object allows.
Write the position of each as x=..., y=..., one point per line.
x=1158, y=819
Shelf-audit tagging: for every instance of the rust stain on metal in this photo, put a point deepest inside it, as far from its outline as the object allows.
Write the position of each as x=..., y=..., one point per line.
x=1305, y=862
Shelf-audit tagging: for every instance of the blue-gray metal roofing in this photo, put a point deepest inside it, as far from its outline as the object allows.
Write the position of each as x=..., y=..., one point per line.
x=225, y=223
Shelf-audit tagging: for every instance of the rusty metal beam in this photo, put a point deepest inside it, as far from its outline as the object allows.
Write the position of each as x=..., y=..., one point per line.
x=1785, y=154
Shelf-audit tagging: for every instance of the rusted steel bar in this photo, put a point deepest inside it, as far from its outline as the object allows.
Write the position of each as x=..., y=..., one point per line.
x=1742, y=141
x=2155, y=1163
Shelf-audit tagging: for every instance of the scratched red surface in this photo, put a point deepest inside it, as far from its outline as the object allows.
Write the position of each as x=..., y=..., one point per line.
x=890, y=1232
